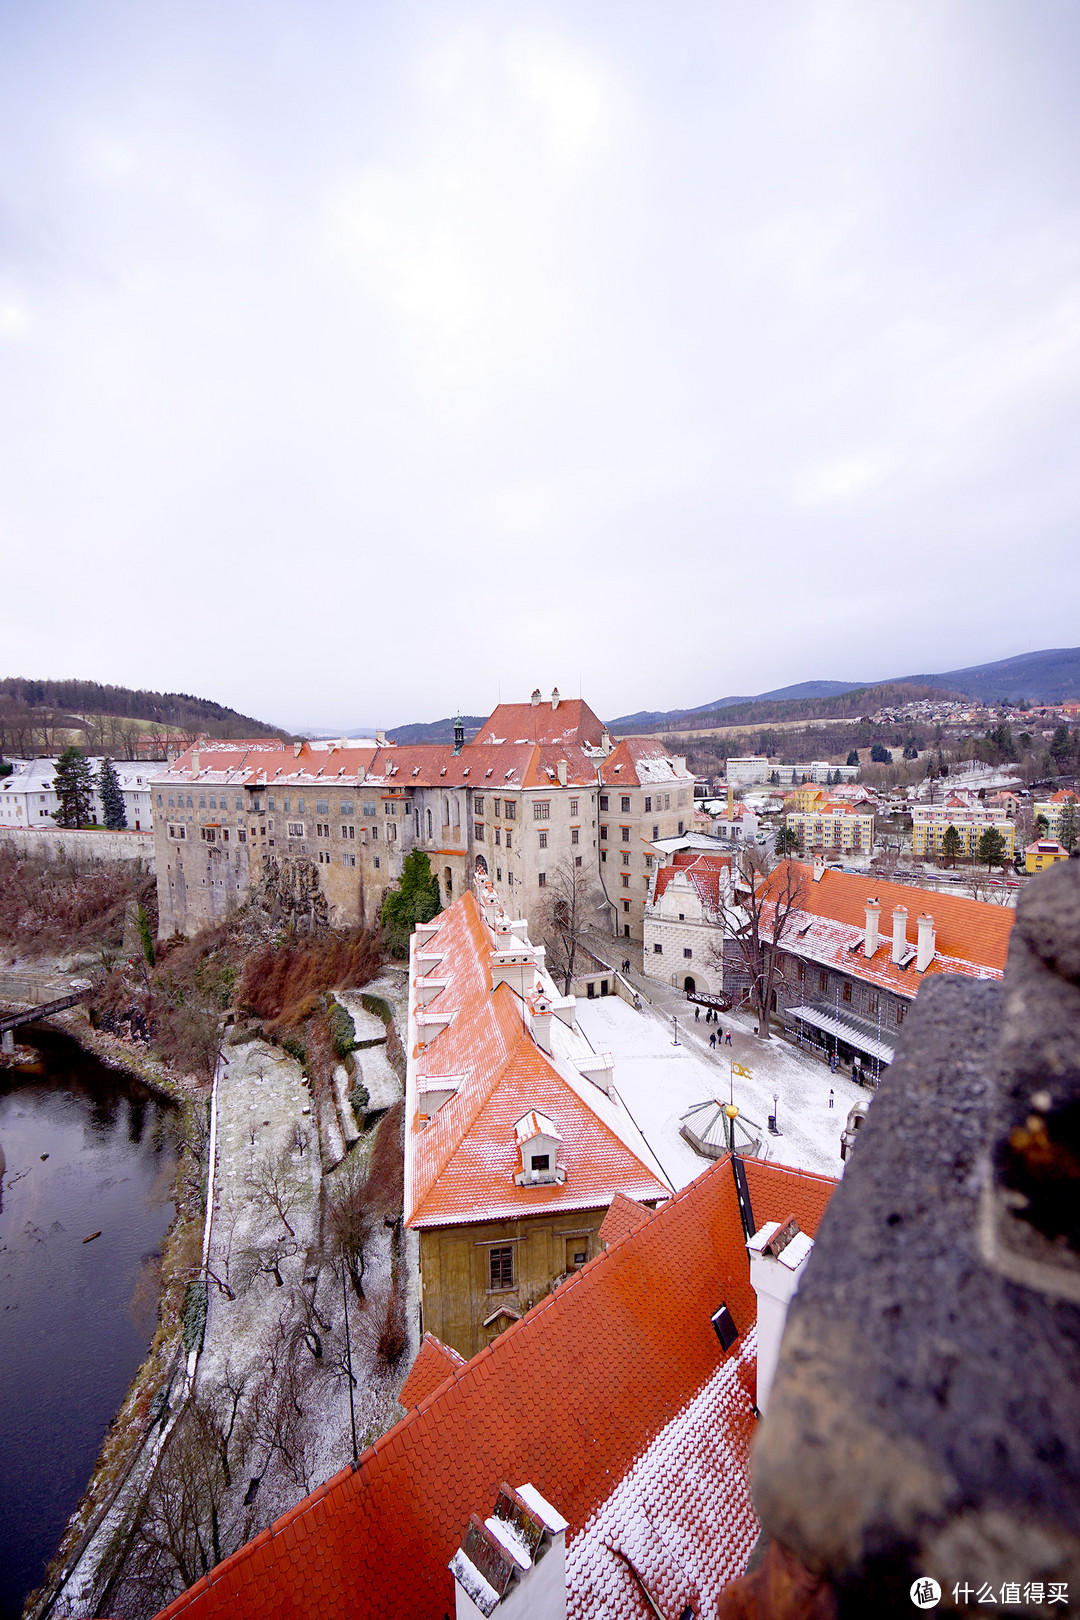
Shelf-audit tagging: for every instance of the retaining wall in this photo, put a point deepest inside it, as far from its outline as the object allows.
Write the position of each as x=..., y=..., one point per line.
x=65, y=844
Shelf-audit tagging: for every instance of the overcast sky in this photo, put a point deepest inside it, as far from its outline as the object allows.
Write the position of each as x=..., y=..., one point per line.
x=363, y=361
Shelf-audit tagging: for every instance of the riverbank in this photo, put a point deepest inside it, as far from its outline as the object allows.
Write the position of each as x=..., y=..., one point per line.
x=146, y=1404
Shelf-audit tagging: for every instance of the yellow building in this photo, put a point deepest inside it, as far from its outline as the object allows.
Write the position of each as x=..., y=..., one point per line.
x=834, y=826
x=808, y=797
x=1053, y=809
x=930, y=824
x=1042, y=853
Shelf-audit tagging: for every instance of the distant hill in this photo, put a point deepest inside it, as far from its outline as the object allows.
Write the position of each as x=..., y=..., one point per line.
x=1052, y=676
x=437, y=731
x=178, y=711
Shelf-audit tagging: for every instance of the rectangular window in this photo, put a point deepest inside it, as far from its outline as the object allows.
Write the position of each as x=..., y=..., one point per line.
x=345, y=808
x=603, y=801
x=648, y=863
x=541, y=809
x=511, y=810
x=823, y=981
x=626, y=905
x=574, y=839
x=540, y=1161
x=498, y=837
x=390, y=807
x=603, y=854
x=370, y=810
x=478, y=804
x=625, y=804
x=541, y=878
x=296, y=829
x=872, y=1003
x=658, y=950
x=577, y=860
x=543, y=840
x=626, y=857
x=498, y=807
x=478, y=829
x=648, y=804
x=375, y=832
x=687, y=951
x=376, y=863
x=655, y=831
x=322, y=807
x=509, y=836
x=626, y=880
x=847, y=990
x=573, y=806
x=626, y=834
x=603, y=834
x=900, y=1011
x=501, y=1262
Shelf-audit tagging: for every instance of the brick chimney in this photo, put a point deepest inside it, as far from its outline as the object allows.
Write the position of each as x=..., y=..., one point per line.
x=899, y=933
x=927, y=943
x=778, y=1255
x=535, y=700
x=873, y=913
x=514, y=1561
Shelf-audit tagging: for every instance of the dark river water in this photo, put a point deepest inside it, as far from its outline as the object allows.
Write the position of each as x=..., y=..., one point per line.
x=75, y=1319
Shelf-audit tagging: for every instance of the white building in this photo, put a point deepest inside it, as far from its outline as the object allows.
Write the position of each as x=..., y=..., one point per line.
x=753, y=769
x=27, y=798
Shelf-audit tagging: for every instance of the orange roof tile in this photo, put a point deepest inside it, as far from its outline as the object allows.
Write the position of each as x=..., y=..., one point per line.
x=612, y=1397
x=623, y=1216
x=434, y=1363
x=639, y=761
x=703, y=871
x=970, y=936
x=572, y=722
x=462, y=1166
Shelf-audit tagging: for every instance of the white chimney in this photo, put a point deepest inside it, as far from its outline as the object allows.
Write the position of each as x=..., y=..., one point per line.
x=541, y=1012
x=535, y=699
x=514, y=1561
x=819, y=868
x=380, y=739
x=927, y=943
x=554, y=697
x=899, y=933
x=778, y=1255
x=561, y=769
x=605, y=740
x=296, y=749
x=873, y=912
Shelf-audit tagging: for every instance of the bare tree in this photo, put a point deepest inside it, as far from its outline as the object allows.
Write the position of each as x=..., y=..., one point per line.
x=275, y=1187
x=756, y=915
x=568, y=909
x=350, y=1221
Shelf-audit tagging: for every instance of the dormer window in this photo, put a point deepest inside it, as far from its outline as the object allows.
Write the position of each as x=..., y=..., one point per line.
x=538, y=1143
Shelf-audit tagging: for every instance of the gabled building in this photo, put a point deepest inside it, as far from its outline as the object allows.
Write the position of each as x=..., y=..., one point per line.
x=970, y=817
x=850, y=965
x=516, y=1139
x=683, y=923
x=621, y=1408
x=515, y=803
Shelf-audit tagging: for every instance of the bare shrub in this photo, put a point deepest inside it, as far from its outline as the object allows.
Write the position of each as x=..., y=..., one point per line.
x=49, y=905
x=392, y=1338
x=386, y=1175
x=278, y=978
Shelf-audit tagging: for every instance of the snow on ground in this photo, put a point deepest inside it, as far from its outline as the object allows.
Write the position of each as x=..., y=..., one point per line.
x=659, y=1082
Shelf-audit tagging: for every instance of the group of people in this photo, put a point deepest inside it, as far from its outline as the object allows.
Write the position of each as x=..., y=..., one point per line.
x=717, y=1036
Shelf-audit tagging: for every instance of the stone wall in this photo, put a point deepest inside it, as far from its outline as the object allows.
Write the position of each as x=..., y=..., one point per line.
x=64, y=844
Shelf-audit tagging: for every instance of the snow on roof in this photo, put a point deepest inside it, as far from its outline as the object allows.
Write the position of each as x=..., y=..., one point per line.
x=462, y=1166
x=612, y=1396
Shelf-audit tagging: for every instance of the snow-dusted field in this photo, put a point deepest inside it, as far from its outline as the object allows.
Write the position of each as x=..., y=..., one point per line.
x=659, y=1082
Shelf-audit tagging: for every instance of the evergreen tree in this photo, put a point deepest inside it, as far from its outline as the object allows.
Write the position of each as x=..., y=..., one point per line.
x=74, y=787
x=853, y=757
x=112, y=799
x=415, y=900
x=992, y=848
x=1067, y=834
x=880, y=755
x=787, y=840
x=950, y=845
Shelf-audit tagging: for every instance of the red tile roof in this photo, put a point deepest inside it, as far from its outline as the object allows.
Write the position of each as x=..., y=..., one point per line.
x=623, y=1216
x=572, y=722
x=462, y=1166
x=434, y=1363
x=971, y=936
x=639, y=761
x=612, y=1397
x=703, y=871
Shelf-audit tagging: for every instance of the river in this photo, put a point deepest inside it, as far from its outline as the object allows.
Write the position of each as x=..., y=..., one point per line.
x=87, y=1150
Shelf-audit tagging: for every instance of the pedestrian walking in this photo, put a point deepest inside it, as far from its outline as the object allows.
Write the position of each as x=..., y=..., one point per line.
x=729, y=1037
x=712, y=1040
x=831, y=1098
x=697, y=1014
